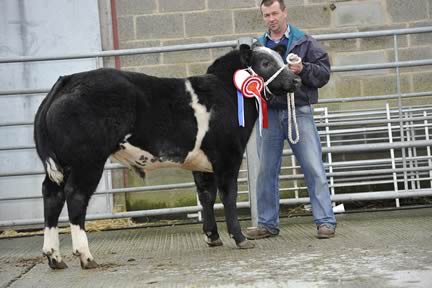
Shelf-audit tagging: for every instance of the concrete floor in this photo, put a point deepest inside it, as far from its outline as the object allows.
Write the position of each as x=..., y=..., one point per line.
x=374, y=249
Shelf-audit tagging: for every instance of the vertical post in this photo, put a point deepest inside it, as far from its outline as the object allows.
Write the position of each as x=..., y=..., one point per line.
x=252, y=174
x=428, y=149
x=294, y=173
x=108, y=186
x=108, y=22
x=251, y=158
x=245, y=40
x=199, y=213
x=414, y=175
x=115, y=33
x=107, y=174
x=401, y=128
x=415, y=161
x=329, y=154
x=392, y=156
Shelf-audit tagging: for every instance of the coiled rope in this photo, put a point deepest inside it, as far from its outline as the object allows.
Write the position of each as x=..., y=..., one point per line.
x=292, y=59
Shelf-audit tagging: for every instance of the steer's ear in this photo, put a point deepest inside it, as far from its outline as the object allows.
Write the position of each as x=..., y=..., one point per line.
x=256, y=44
x=281, y=49
x=245, y=55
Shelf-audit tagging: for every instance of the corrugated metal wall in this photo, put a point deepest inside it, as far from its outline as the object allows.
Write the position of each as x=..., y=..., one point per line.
x=31, y=28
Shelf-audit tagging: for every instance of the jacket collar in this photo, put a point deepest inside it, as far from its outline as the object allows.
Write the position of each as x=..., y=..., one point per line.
x=295, y=38
x=295, y=33
x=286, y=34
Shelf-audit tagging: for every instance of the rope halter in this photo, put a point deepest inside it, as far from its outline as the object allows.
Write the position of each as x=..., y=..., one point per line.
x=269, y=80
x=292, y=118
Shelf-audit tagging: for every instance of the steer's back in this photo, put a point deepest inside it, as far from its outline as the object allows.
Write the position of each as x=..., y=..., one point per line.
x=85, y=115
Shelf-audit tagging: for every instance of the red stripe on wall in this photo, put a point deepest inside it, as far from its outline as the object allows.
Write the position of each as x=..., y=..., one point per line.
x=115, y=32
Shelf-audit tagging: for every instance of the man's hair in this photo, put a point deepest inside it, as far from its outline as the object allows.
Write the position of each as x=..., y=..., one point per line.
x=270, y=2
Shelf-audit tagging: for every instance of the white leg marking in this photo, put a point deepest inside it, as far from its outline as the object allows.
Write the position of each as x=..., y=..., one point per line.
x=53, y=171
x=51, y=246
x=80, y=244
x=196, y=156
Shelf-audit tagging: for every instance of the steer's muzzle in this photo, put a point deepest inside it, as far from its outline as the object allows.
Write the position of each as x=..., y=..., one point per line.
x=294, y=83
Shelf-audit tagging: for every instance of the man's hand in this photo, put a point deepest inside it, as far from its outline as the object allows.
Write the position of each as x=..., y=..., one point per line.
x=296, y=68
x=294, y=63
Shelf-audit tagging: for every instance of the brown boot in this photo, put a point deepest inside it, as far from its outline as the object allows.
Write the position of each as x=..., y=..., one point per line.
x=255, y=233
x=326, y=231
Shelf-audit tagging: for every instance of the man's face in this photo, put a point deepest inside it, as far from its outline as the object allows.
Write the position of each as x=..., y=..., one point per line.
x=274, y=18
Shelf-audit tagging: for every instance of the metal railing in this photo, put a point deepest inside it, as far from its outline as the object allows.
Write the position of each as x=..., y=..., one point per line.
x=402, y=124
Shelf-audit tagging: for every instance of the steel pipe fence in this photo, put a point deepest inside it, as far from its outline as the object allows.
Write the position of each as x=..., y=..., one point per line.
x=350, y=197
x=122, y=52
x=197, y=46
x=404, y=120
x=413, y=175
x=26, y=147
x=380, y=147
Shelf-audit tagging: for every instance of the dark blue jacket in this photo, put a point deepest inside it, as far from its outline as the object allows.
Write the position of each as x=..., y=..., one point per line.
x=316, y=71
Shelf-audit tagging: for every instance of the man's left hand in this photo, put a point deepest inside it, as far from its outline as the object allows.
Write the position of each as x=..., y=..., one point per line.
x=296, y=68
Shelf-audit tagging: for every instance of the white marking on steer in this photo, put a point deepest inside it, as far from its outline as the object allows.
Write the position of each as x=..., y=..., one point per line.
x=80, y=244
x=196, y=157
x=133, y=156
x=195, y=160
x=273, y=53
x=53, y=171
x=51, y=245
x=127, y=137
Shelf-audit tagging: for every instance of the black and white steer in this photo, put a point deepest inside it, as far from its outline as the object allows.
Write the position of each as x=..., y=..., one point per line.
x=148, y=123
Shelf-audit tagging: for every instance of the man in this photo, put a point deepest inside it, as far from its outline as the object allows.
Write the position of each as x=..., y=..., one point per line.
x=314, y=70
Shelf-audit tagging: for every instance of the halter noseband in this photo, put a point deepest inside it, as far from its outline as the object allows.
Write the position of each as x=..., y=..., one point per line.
x=269, y=80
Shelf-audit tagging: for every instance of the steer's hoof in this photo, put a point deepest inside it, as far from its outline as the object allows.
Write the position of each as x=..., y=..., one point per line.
x=214, y=243
x=54, y=264
x=91, y=264
x=246, y=244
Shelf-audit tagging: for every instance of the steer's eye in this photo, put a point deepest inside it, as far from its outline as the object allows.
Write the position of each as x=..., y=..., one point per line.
x=265, y=64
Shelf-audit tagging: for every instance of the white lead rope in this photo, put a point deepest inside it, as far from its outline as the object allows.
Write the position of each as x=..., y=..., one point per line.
x=292, y=59
x=293, y=120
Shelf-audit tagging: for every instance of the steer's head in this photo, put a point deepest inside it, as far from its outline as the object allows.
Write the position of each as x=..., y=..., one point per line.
x=266, y=62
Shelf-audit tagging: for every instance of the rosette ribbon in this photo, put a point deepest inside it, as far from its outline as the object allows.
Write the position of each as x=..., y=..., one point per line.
x=250, y=86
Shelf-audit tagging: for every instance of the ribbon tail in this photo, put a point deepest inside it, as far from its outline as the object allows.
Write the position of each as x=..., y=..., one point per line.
x=240, y=109
x=264, y=113
x=260, y=116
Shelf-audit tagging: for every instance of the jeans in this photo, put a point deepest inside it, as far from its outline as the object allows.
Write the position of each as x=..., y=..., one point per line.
x=308, y=154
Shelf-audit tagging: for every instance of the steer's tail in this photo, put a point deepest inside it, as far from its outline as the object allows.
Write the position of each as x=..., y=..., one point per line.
x=42, y=138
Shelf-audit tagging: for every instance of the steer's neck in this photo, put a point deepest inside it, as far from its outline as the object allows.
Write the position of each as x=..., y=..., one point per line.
x=224, y=69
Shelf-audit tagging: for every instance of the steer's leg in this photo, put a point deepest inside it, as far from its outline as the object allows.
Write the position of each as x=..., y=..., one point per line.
x=227, y=183
x=207, y=190
x=53, y=199
x=80, y=185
